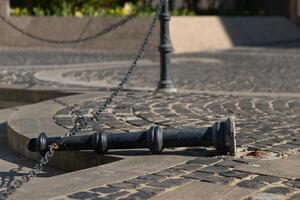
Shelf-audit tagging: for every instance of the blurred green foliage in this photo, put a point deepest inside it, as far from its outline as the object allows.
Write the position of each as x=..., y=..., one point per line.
x=81, y=8
x=77, y=7
x=125, y=7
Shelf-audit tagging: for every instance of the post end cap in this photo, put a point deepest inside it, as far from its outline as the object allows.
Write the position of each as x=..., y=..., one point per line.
x=230, y=136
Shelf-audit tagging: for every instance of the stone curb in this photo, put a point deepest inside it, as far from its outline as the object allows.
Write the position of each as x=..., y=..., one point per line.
x=31, y=120
x=57, y=76
x=30, y=95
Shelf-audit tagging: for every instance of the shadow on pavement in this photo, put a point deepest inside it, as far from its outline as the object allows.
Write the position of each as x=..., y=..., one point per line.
x=13, y=165
x=191, y=152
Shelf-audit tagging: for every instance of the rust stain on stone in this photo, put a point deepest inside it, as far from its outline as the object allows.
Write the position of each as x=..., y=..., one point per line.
x=257, y=154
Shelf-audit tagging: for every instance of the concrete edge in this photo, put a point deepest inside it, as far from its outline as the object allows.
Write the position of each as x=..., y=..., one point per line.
x=4, y=114
x=31, y=94
x=120, y=166
x=30, y=120
x=57, y=76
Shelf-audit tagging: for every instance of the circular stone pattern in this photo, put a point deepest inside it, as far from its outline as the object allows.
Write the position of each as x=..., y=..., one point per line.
x=252, y=70
x=268, y=123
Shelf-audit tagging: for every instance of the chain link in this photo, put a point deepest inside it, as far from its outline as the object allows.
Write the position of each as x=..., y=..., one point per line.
x=81, y=122
x=74, y=41
x=33, y=173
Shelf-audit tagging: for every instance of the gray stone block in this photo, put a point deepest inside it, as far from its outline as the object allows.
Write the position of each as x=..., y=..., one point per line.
x=123, y=185
x=126, y=38
x=198, y=175
x=267, y=179
x=266, y=196
x=55, y=28
x=235, y=174
x=279, y=190
x=82, y=195
x=251, y=184
x=4, y=8
x=9, y=35
x=295, y=184
x=204, y=161
x=214, y=169
x=117, y=195
x=105, y=190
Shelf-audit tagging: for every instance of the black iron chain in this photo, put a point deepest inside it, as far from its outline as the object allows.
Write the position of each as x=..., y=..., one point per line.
x=74, y=41
x=81, y=122
x=33, y=173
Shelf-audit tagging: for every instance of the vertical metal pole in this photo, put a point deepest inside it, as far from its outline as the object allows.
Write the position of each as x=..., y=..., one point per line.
x=165, y=84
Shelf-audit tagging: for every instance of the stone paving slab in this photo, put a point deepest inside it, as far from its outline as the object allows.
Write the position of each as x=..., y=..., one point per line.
x=96, y=176
x=161, y=185
x=201, y=190
x=175, y=186
x=275, y=167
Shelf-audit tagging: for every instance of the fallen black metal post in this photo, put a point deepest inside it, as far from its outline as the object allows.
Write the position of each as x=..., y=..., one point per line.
x=221, y=136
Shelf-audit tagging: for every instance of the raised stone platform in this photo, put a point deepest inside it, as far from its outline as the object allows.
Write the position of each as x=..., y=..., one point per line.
x=262, y=124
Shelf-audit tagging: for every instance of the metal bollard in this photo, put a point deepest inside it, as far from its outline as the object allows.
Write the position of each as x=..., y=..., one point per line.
x=165, y=84
x=221, y=136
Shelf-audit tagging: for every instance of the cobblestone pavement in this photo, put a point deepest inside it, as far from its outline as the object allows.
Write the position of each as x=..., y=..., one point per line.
x=241, y=69
x=267, y=122
x=14, y=57
x=272, y=70
x=265, y=125
x=18, y=66
x=210, y=170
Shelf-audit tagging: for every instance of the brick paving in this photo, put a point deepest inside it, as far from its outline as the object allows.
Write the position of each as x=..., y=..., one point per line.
x=268, y=123
x=248, y=70
x=240, y=69
x=268, y=185
x=265, y=123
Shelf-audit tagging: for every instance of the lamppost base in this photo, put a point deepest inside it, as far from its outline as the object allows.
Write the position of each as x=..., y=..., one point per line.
x=166, y=87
